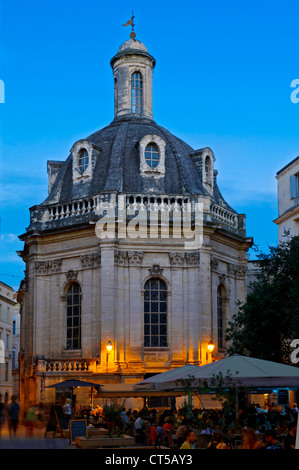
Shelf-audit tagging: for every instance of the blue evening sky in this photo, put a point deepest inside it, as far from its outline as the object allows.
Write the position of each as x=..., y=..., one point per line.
x=222, y=80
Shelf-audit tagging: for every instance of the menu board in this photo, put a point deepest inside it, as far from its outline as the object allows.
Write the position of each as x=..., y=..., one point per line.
x=78, y=428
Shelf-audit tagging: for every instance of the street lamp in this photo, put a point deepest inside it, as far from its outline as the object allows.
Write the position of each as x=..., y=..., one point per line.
x=108, y=349
x=211, y=347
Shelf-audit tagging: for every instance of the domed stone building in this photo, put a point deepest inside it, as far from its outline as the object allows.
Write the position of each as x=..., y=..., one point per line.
x=154, y=299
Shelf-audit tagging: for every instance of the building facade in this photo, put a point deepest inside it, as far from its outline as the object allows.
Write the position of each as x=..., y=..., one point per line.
x=7, y=305
x=113, y=257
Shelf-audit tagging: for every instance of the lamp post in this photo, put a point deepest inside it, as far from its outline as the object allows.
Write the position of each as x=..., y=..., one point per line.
x=211, y=347
x=108, y=349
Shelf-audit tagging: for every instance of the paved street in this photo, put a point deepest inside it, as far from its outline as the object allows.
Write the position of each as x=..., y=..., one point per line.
x=37, y=441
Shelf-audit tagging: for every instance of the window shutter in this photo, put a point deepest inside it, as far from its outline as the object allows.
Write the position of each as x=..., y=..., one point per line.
x=293, y=186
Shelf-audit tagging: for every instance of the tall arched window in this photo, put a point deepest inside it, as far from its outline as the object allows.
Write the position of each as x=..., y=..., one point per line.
x=220, y=317
x=115, y=95
x=155, y=314
x=73, y=330
x=136, y=93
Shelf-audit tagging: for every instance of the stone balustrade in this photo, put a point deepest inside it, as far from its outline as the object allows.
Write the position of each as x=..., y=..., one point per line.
x=71, y=365
x=224, y=215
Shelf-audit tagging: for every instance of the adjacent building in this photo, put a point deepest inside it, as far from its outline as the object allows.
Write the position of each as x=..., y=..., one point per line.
x=115, y=290
x=288, y=200
x=7, y=305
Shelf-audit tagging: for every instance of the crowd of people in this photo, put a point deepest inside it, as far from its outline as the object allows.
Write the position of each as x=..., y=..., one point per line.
x=255, y=428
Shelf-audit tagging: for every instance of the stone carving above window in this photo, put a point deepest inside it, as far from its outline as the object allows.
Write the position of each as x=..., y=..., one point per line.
x=128, y=258
x=157, y=168
x=90, y=260
x=222, y=278
x=156, y=270
x=72, y=275
x=48, y=266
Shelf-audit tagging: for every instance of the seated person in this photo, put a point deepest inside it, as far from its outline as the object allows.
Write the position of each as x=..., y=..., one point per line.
x=218, y=441
x=169, y=425
x=290, y=438
x=271, y=441
x=179, y=436
x=190, y=438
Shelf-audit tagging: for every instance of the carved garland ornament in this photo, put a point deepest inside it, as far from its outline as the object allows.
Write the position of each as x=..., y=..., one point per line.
x=191, y=258
x=48, y=267
x=128, y=258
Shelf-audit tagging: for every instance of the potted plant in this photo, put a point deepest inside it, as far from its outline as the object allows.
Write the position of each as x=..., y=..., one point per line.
x=111, y=414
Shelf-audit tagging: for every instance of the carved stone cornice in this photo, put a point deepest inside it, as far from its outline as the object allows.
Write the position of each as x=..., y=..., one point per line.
x=48, y=266
x=90, y=260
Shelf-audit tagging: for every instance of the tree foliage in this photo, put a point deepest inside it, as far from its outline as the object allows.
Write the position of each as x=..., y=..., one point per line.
x=268, y=321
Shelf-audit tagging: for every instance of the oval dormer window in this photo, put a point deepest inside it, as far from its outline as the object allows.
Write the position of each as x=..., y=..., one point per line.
x=151, y=155
x=83, y=160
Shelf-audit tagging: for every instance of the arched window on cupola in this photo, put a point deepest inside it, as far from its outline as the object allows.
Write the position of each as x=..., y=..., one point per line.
x=155, y=314
x=136, y=93
x=73, y=329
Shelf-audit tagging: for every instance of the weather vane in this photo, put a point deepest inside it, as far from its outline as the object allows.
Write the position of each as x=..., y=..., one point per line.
x=131, y=22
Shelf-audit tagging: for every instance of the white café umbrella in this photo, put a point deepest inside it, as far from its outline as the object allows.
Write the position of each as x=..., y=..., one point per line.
x=245, y=371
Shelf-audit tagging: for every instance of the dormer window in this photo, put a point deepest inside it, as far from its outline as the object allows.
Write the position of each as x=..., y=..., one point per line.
x=84, y=156
x=83, y=160
x=151, y=155
x=136, y=93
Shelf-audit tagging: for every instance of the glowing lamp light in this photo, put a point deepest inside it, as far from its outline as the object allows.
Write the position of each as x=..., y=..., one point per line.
x=109, y=347
x=211, y=346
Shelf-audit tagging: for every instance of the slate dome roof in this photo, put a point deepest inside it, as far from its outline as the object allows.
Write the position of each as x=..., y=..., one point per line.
x=117, y=167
